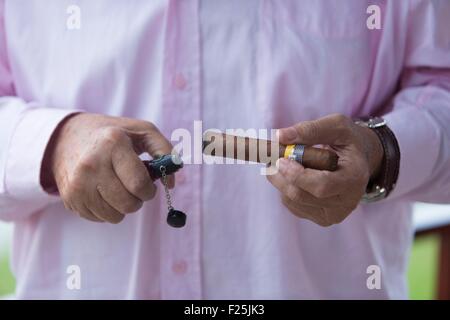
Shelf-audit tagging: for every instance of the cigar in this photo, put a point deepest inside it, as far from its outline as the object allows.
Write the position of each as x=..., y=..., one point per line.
x=262, y=151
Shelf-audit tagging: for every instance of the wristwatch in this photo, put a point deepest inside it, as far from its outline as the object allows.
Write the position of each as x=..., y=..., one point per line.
x=380, y=186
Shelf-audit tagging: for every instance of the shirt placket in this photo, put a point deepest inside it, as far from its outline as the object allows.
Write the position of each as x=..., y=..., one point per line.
x=180, y=248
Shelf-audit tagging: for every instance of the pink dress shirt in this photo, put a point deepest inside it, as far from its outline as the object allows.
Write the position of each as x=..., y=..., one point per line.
x=231, y=64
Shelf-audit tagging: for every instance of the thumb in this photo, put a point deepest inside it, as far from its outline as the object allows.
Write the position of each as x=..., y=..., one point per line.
x=154, y=143
x=329, y=130
x=151, y=141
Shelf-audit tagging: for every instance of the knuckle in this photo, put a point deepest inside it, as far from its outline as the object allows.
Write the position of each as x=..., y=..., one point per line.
x=310, y=128
x=148, y=126
x=66, y=195
x=343, y=125
x=87, y=216
x=339, y=219
x=86, y=163
x=293, y=194
x=301, y=214
x=116, y=218
x=328, y=219
x=295, y=178
x=131, y=206
x=297, y=214
x=67, y=205
x=352, y=207
x=139, y=185
x=346, y=132
x=341, y=120
x=83, y=215
x=321, y=190
x=325, y=219
x=150, y=193
x=284, y=200
x=74, y=187
x=324, y=223
x=111, y=135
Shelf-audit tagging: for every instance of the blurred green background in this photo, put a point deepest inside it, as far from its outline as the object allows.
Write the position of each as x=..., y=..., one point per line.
x=422, y=273
x=423, y=269
x=6, y=278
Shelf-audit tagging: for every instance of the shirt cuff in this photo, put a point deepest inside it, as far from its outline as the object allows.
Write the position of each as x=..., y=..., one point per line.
x=418, y=140
x=26, y=152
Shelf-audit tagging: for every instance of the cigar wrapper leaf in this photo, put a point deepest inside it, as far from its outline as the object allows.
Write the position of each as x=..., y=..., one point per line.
x=248, y=149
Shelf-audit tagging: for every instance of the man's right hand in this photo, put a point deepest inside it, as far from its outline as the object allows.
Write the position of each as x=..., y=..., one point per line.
x=93, y=161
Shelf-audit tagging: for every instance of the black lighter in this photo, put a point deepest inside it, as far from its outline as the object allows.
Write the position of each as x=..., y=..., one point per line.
x=161, y=167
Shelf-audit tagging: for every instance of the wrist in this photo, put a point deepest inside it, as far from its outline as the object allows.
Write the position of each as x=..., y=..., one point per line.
x=383, y=176
x=47, y=177
x=376, y=153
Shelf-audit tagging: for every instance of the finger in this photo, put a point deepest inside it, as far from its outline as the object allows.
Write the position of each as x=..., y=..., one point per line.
x=145, y=136
x=278, y=181
x=291, y=192
x=304, y=212
x=329, y=130
x=171, y=181
x=131, y=172
x=157, y=145
x=319, y=183
x=314, y=214
x=102, y=210
x=85, y=213
x=77, y=206
x=118, y=197
x=151, y=141
x=295, y=194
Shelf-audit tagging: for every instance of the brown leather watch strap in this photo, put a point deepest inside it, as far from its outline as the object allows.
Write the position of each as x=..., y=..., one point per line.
x=388, y=175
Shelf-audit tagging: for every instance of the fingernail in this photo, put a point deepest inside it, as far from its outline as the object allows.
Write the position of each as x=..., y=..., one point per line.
x=282, y=165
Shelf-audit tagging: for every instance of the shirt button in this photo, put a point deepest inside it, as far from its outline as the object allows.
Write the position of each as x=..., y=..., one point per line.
x=180, y=267
x=180, y=81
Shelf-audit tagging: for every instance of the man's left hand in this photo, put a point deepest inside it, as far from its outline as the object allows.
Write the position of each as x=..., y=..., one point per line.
x=326, y=197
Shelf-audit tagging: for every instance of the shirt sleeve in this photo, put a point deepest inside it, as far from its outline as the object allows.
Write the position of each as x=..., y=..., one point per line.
x=25, y=129
x=420, y=118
